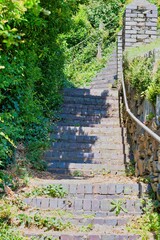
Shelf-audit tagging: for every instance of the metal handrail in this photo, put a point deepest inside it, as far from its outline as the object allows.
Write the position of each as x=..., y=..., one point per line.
x=148, y=130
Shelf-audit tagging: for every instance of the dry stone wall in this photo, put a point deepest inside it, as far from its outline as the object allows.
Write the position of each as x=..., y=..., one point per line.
x=140, y=27
x=146, y=150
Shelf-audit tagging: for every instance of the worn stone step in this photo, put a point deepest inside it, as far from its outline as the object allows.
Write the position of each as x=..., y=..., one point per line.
x=104, y=75
x=108, y=122
x=105, y=123
x=73, y=147
x=102, y=86
x=88, y=97
x=99, y=80
x=102, y=80
x=101, y=141
x=98, y=190
x=86, y=92
x=86, y=169
x=84, y=219
x=88, y=112
x=88, y=155
x=87, y=117
x=89, y=130
x=111, y=74
x=84, y=156
x=98, y=207
x=97, y=147
x=66, y=136
x=89, y=101
x=111, y=105
x=80, y=160
x=98, y=133
x=83, y=236
x=110, y=67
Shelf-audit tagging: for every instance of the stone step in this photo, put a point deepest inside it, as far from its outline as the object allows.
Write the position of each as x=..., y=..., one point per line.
x=112, y=61
x=102, y=80
x=86, y=92
x=99, y=207
x=90, y=133
x=96, y=148
x=103, y=105
x=86, y=169
x=108, y=122
x=88, y=116
x=102, y=190
x=107, y=80
x=89, y=101
x=110, y=105
x=110, y=68
x=111, y=163
x=83, y=147
x=83, y=236
x=87, y=119
x=110, y=157
x=89, y=130
x=102, y=86
x=102, y=221
x=116, y=138
x=111, y=74
x=88, y=113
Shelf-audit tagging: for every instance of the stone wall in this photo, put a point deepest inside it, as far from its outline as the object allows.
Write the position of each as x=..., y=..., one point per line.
x=119, y=56
x=140, y=25
x=145, y=150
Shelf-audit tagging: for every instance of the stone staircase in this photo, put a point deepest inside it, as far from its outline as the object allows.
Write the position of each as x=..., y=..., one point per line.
x=89, y=141
x=88, y=138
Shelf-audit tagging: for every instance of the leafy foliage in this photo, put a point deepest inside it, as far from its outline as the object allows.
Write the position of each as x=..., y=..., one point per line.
x=31, y=65
x=49, y=223
x=46, y=45
x=139, y=73
x=149, y=222
x=117, y=206
x=10, y=233
x=56, y=191
x=85, y=36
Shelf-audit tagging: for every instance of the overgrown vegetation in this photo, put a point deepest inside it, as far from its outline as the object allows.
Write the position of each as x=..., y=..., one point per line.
x=140, y=73
x=46, y=45
x=56, y=191
x=149, y=222
x=39, y=221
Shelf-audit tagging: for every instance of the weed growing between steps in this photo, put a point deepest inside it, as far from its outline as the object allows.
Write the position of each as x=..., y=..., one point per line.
x=41, y=222
x=149, y=222
x=117, y=206
x=10, y=233
x=55, y=191
x=15, y=214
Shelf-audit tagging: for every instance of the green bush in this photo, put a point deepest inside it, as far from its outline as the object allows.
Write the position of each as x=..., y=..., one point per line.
x=32, y=73
x=140, y=74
